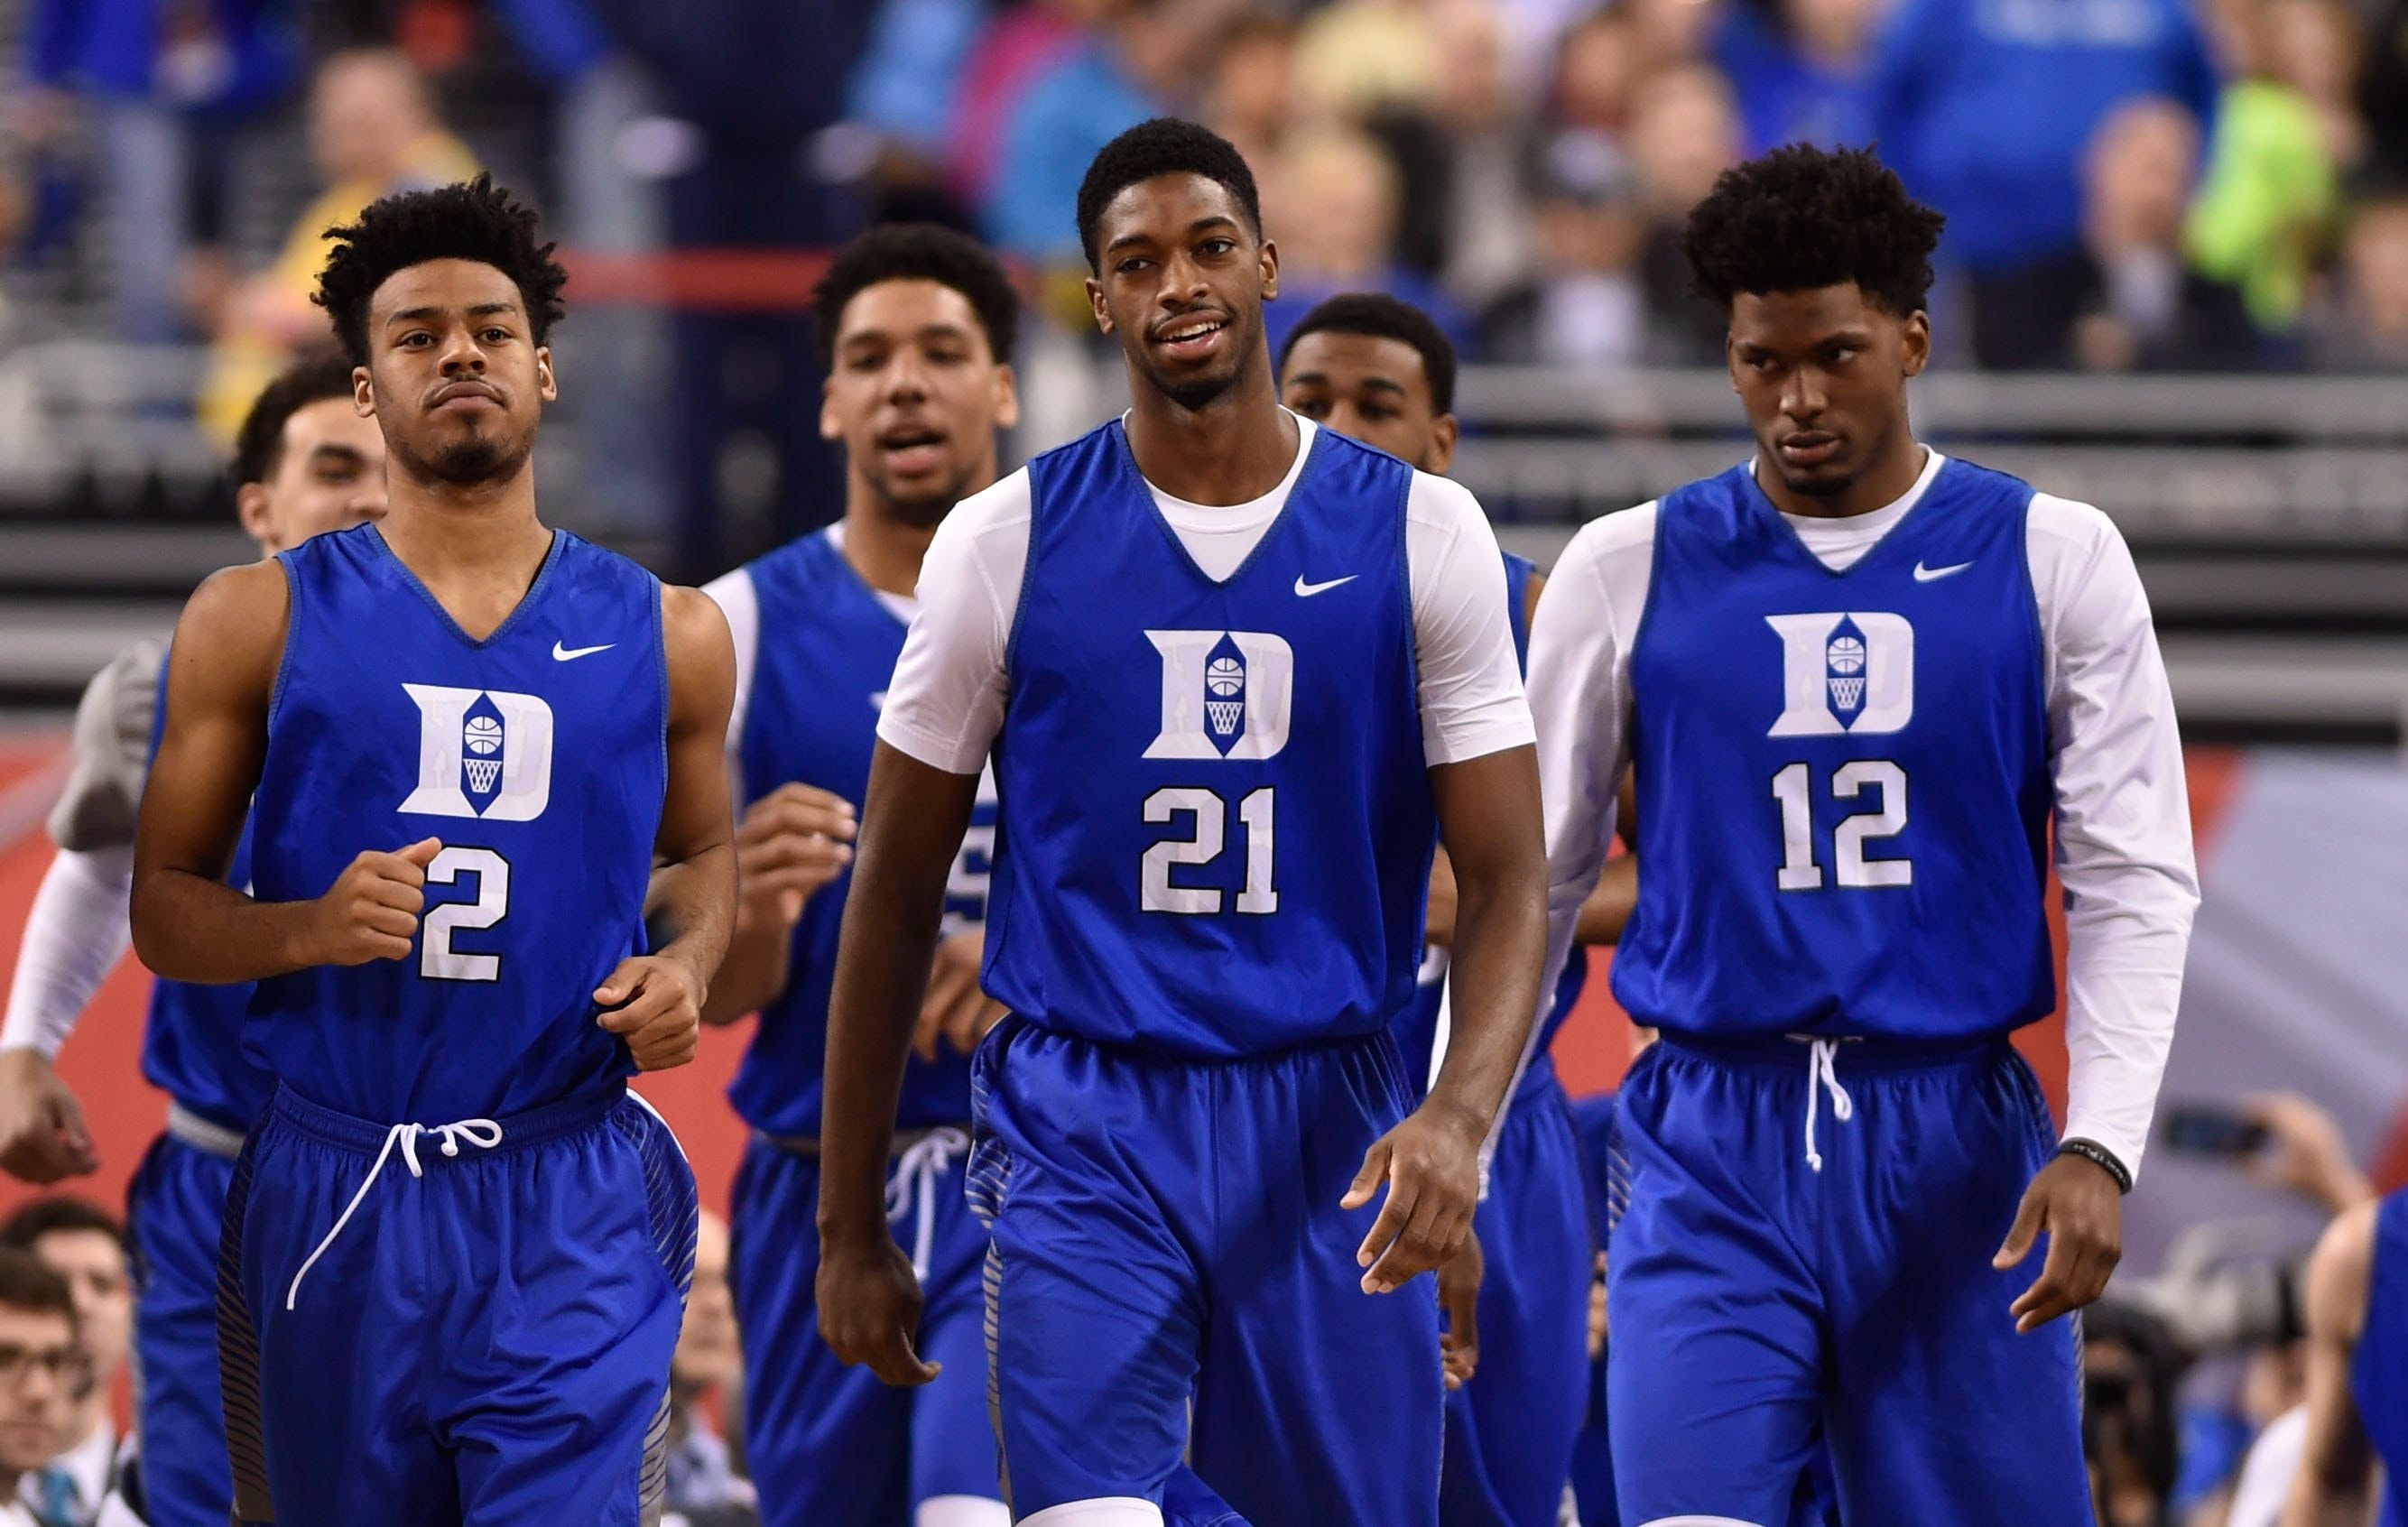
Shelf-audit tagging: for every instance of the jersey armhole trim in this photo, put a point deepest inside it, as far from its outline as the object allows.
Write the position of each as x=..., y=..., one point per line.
x=2042, y=653
x=1656, y=563
x=1412, y=612
x=1028, y=581
x=284, y=659
x=661, y=656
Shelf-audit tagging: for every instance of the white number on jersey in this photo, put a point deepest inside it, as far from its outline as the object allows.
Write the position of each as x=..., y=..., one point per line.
x=1793, y=787
x=437, y=959
x=1156, y=893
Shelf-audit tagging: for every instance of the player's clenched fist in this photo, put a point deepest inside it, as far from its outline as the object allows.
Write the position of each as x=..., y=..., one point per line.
x=371, y=910
x=791, y=841
x=655, y=1002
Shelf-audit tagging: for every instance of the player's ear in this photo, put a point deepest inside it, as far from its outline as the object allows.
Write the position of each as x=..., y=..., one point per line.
x=1096, y=301
x=1007, y=396
x=1444, y=431
x=1915, y=343
x=362, y=393
x=546, y=386
x=1269, y=261
x=831, y=427
x=1730, y=358
x=250, y=506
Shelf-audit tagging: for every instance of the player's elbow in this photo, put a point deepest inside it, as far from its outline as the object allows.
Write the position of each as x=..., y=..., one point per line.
x=155, y=927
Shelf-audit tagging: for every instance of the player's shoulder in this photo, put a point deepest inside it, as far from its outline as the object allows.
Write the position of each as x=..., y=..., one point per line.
x=252, y=596
x=996, y=515
x=691, y=615
x=1611, y=539
x=1433, y=500
x=2069, y=522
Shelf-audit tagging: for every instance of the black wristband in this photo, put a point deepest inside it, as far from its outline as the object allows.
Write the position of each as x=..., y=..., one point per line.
x=2103, y=1157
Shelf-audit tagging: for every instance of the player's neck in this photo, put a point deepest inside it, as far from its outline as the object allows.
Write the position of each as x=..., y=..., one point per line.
x=1890, y=480
x=477, y=552
x=884, y=548
x=1232, y=451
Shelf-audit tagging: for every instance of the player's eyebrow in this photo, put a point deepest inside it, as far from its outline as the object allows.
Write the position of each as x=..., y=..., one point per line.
x=335, y=455
x=421, y=315
x=1383, y=384
x=1220, y=219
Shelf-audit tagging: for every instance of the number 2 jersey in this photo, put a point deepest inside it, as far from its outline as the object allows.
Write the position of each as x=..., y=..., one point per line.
x=538, y=756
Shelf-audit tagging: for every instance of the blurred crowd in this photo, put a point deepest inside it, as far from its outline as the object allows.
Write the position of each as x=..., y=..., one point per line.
x=2131, y=184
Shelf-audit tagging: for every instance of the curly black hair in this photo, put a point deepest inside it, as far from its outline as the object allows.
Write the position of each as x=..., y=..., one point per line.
x=1379, y=316
x=918, y=252
x=1801, y=218
x=1164, y=146
x=259, y=446
x=474, y=219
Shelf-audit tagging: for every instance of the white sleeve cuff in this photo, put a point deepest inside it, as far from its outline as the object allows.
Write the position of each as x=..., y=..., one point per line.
x=74, y=937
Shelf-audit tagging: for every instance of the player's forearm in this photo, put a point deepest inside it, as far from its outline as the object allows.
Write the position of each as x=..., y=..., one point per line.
x=690, y=909
x=1499, y=946
x=1608, y=908
x=73, y=937
x=191, y=928
x=754, y=972
x=883, y=954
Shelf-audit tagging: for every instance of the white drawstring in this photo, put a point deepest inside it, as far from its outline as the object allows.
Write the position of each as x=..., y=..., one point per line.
x=482, y=1132
x=914, y=1181
x=1820, y=1075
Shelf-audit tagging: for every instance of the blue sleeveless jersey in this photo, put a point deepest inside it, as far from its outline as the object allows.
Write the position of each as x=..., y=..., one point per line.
x=1417, y=1028
x=1847, y=773
x=827, y=649
x=1216, y=824
x=538, y=756
x=192, y=1038
x=2379, y=1367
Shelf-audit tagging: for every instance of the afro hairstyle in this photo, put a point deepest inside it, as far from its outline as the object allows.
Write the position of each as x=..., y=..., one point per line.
x=1803, y=218
x=1164, y=146
x=474, y=219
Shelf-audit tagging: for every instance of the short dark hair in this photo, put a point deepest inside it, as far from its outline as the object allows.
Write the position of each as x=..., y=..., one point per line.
x=59, y=1214
x=1164, y=146
x=28, y=1286
x=1801, y=218
x=1379, y=316
x=259, y=447
x=474, y=219
x=919, y=252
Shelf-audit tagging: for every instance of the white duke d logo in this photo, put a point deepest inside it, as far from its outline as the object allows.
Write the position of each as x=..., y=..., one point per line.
x=480, y=753
x=1845, y=672
x=1225, y=694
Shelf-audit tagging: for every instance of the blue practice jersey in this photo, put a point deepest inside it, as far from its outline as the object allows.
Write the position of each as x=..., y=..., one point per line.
x=1216, y=826
x=540, y=756
x=827, y=648
x=191, y=1039
x=2379, y=1367
x=1846, y=773
x=1417, y=1025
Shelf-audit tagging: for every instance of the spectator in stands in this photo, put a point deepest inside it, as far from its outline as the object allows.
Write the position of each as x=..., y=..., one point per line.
x=1356, y=56
x=1985, y=109
x=2136, y=302
x=373, y=131
x=1585, y=306
x=2363, y=325
x=1332, y=200
x=703, y=1483
x=1250, y=90
x=1596, y=71
x=1799, y=68
x=166, y=85
x=84, y=1244
x=41, y=1368
x=1684, y=131
x=2270, y=210
x=2383, y=90
x=1483, y=241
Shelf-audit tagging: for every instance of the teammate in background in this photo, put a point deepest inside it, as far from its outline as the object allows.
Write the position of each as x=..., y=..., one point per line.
x=1376, y=368
x=1837, y=1162
x=305, y=463
x=461, y=714
x=83, y=1243
x=2357, y=1372
x=1235, y=672
x=916, y=325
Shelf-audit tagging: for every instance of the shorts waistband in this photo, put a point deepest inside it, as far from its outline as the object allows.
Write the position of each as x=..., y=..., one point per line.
x=203, y=1134
x=808, y=1145
x=535, y=1127
x=1851, y=1053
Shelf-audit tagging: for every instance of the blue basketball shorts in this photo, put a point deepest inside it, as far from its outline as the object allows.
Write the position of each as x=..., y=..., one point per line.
x=1805, y=1261
x=174, y=1212
x=830, y=1446
x=465, y=1323
x=1171, y=1277
x=1510, y=1431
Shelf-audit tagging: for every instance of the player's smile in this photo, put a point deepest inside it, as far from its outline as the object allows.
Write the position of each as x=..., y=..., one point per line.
x=1191, y=337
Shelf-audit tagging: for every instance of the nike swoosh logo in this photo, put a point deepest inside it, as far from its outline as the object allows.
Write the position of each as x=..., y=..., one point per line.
x=1306, y=590
x=1924, y=575
x=571, y=655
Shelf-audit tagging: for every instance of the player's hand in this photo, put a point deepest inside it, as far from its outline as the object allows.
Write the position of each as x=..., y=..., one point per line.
x=371, y=910
x=1431, y=1164
x=1440, y=925
x=791, y=841
x=42, y=1133
x=869, y=1304
x=2081, y=1209
x=956, y=1012
x=655, y=1002
x=1458, y=1300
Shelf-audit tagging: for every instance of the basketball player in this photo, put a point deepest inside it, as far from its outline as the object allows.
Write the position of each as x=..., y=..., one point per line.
x=1235, y=673
x=305, y=463
x=1857, y=678
x=1371, y=366
x=456, y=1245
x=916, y=326
x=2357, y=1372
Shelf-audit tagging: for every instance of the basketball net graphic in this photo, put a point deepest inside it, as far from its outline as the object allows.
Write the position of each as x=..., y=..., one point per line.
x=1225, y=714
x=1846, y=694
x=481, y=772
